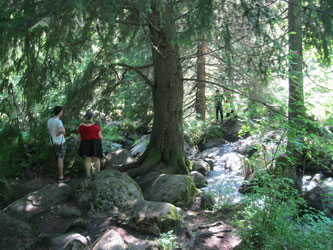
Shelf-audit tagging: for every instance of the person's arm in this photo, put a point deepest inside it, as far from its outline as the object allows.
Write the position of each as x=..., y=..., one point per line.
x=100, y=136
x=61, y=130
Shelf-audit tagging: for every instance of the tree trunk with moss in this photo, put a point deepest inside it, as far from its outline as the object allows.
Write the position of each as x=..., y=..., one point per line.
x=167, y=138
x=296, y=96
x=200, y=96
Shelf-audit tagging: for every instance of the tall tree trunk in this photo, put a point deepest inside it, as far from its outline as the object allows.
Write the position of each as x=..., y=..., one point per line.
x=296, y=97
x=167, y=138
x=200, y=97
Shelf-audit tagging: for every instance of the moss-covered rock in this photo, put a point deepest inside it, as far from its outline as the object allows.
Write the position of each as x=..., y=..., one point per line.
x=145, y=180
x=178, y=190
x=104, y=193
x=14, y=232
x=201, y=166
x=198, y=179
x=8, y=192
x=40, y=201
x=151, y=217
x=118, y=158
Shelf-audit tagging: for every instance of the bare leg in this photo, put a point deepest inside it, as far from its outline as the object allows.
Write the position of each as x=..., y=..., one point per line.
x=87, y=164
x=97, y=164
x=61, y=167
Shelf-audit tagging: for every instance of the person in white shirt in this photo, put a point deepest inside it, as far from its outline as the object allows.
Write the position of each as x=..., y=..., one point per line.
x=57, y=133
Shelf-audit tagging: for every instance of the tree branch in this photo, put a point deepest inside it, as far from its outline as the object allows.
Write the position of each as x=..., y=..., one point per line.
x=234, y=91
x=136, y=69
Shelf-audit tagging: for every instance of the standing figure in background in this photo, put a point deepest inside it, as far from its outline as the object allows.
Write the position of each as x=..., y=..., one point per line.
x=57, y=138
x=218, y=99
x=90, y=141
x=229, y=109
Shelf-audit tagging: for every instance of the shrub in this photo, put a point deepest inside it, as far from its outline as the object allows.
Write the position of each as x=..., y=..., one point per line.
x=272, y=219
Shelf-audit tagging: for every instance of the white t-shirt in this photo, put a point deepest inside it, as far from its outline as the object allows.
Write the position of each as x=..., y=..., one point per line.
x=54, y=125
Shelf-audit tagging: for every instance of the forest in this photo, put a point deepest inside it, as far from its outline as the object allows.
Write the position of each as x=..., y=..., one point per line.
x=216, y=118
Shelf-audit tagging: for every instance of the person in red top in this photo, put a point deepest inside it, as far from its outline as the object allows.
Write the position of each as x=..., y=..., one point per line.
x=90, y=141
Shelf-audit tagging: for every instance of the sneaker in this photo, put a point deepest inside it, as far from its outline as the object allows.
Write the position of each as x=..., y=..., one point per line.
x=65, y=179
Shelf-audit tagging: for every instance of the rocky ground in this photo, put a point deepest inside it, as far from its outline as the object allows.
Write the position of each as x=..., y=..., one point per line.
x=111, y=211
x=63, y=222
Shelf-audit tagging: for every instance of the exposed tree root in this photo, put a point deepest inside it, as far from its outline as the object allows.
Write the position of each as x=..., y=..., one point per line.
x=149, y=162
x=177, y=164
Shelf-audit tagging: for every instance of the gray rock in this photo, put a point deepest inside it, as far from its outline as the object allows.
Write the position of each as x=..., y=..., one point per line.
x=110, y=240
x=77, y=245
x=200, y=166
x=231, y=133
x=8, y=192
x=12, y=228
x=210, y=163
x=178, y=190
x=234, y=161
x=105, y=192
x=39, y=201
x=321, y=197
x=198, y=179
x=69, y=210
x=210, y=153
x=77, y=224
x=71, y=241
x=151, y=217
x=15, y=234
x=43, y=241
x=145, y=180
x=119, y=157
x=214, y=142
x=140, y=145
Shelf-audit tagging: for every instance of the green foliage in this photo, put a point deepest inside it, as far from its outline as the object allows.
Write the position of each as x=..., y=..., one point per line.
x=111, y=134
x=197, y=131
x=167, y=241
x=8, y=192
x=12, y=151
x=272, y=219
x=193, y=131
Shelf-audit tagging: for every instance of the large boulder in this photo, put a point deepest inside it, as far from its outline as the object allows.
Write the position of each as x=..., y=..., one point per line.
x=14, y=233
x=200, y=166
x=105, y=192
x=210, y=153
x=198, y=179
x=40, y=201
x=237, y=163
x=8, y=192
x=214, y=142
x=321, y=197
x=118, y=158
x=151, y=217
x=208, y=200
x=233, y=127
x=145, y=180
x=178, y=190
x=110, y=240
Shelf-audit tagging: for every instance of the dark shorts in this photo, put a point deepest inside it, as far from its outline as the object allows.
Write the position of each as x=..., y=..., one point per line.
x=59, y=150
x=91, y=148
